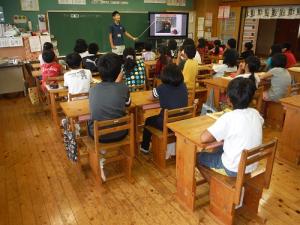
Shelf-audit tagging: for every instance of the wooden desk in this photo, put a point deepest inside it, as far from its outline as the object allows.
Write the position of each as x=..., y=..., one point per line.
x=188, y=141
x=149, y=65
x=11, y=78
x=290, y=136
x=295, y=73
x=218, y=85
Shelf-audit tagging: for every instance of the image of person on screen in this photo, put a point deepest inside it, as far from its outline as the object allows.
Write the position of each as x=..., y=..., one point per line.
x=166, y=27
x=116, y=34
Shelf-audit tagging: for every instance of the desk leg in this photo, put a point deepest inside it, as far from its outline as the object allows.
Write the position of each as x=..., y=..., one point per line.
x=53, y=108
x=216, y=91
x=185, y=172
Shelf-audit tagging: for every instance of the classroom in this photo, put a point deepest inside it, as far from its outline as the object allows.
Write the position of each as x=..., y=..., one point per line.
x=149, y=112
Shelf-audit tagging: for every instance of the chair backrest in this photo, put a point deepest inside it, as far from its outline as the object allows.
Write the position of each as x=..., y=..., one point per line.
x=294, y=89
x=111, y=126
x=262, y=177
x=257, y=99
x=73, y=97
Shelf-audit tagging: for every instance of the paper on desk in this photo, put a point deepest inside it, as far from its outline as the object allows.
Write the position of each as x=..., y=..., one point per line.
x=34, y=43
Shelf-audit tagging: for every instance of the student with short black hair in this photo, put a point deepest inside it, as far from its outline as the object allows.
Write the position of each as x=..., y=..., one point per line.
x=229, y=63
x=202, y=47
x=172, y=45
x=217, y=49
x=239, y=129
x=148, y=54
x=134, y=70
x=247, y=50
x=46, y=47
x=231, y=43
x=81, y=47
x=77, y=79
x=50, y=68
x=190, y=69
x=250, y=67
x=181, y=57
x=163, y=59
x=276, y=48
x=291, y=60
x=172, y=94
x=90, y=62
x=280, y=79
x=108, y=99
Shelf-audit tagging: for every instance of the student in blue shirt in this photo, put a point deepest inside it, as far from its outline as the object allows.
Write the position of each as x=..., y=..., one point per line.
x=116, y=34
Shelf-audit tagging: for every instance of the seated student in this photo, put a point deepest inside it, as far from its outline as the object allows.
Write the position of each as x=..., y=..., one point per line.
x=172, y=46
x=229, y=64
x=291, y=60
x=47, y=46
x=172, y=94
x=276, y=48
x=77, y=80
x=81, y=48
x=202, y=47
x=217, y=49
x=250, y=67
x=248, y=50
x=280, y=78
x=231, y=44
x=114, y=96
x=181, y=59
x=148, y=54
x=239, y=129
x=190, y=70
x=90, y=62
x=50, y=68
x=163, y=60
x=133, y=69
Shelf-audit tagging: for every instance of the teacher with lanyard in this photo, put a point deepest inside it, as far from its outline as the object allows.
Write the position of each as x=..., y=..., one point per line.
x=116, y=34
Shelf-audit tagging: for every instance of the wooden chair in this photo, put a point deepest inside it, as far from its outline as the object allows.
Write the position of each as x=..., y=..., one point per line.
x=134, y=88
x=294, y=89
x=73, y=97
x=257, y=99
x=160, y=139
x=150, y=74
x=228, y=192
x=121, y=151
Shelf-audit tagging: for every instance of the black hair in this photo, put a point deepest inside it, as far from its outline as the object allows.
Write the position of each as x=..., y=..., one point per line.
x=47, y=46
x=231, y=43
x=172, y=44
x=279, y=60
x=148, y=46
x=172, y=75
x=114, y=13
x=129, y=60
x=80, y=46
x=253, y=63
x=188, y=41
x=240, y=92
x=109, y=67
x=201, y=43
x=93, y=48
x=217, y=44
x=48, y=56
x=164, y=53
x=190, y=51
x=287, y=46
x=276, y=48
x=230, y=57
x=74, y=60
x=248, y=45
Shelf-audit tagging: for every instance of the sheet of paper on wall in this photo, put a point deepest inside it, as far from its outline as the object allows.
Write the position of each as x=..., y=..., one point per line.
x=79, y=2
x=208, y=16
x=30, y=5
x=200, y=34
x=208, y=23
x=190, y=35
x=176, y=2
x=45, y=38
x=35, y=44
x=156, y=1
x=207, y=35
x=226, y=11
x=200, y=22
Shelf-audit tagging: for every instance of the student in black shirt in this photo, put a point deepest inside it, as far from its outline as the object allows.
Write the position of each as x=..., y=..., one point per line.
x=90, y=62
x=172, y=94
x=248, y=50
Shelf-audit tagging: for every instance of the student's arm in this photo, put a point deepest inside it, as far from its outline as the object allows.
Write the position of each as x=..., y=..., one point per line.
x=207, y=137
x=120, y=77
x=265, y=76
x=111, y=41
x=154, y=95
x=130, y=36
x=241, y=68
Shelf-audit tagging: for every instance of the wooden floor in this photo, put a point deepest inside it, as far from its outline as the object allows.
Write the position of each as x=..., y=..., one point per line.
x=38, y=185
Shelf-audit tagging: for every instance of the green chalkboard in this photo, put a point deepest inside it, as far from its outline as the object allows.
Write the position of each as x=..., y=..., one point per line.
x=93, y=27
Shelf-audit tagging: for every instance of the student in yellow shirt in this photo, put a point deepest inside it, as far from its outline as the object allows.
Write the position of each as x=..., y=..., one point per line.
x=190, y=69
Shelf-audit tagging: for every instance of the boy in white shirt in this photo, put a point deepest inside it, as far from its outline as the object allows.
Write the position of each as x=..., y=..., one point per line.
x=77, y=80
x=240, y=129
x=148, y=54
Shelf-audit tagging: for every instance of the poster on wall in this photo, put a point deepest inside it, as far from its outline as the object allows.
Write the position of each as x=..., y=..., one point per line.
x=42, y=22
x=156, y=1
x=274, y=12
x=176, y=2
x=72, y=2
x=30, y=5
x=120, y=2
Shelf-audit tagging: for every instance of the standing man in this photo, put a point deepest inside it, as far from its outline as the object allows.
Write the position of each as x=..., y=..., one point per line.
x=116, y=34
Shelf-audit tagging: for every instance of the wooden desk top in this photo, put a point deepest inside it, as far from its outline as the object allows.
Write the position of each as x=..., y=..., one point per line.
x=192, y=128
x=294, y=69
x=293, y=101
x=219, y=81
x=141, y=98
x=150, y=63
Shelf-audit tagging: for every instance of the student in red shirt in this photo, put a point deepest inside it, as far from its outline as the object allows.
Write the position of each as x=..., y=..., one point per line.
x=50, y=68
x=290, y=58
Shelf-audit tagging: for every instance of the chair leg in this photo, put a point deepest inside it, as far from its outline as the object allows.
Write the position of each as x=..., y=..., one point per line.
x=251, y=199
x=127, y=163
x=221, y=202
x=159, y=153
x=94, y=164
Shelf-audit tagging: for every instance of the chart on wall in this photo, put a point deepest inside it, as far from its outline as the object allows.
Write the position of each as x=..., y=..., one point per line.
x=72, y=2
x=120, y=2
x=274, y=12
x=30, y=5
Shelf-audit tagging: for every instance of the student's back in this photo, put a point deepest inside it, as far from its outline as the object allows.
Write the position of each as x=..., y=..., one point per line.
x=50, y=68
x=190, y=69
x=90, y=62
x=148, y=54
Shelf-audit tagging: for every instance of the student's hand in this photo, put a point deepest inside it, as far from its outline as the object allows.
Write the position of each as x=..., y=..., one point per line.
x=113, y=47
x=135, y=39
x=242, y=66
